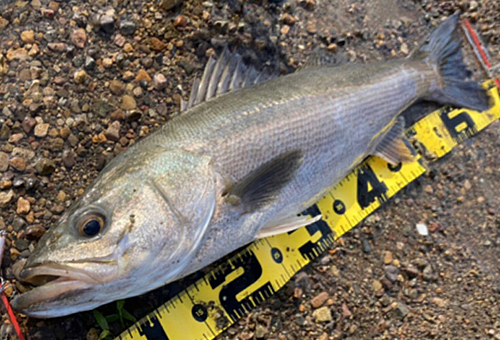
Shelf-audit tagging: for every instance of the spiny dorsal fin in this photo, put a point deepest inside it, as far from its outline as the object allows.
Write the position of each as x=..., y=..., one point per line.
x=225, y=74
x=392, y=148
x=263, y=184
x=319, y=57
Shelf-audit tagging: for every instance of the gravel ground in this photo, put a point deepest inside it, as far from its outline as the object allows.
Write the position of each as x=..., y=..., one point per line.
x=80, y=81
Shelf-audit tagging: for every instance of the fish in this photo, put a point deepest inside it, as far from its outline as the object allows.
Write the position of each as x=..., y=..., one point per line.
x=242, y=161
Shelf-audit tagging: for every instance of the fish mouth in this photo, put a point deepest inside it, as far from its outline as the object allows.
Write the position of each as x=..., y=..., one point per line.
x=50, y=281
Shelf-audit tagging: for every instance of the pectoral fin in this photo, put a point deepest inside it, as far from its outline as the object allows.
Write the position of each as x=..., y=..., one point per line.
x=393, y=147
x=286, y=225
x=263, y=185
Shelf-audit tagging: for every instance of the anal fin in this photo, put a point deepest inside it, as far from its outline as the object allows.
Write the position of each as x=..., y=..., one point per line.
x=393, y=147
x=287, y=225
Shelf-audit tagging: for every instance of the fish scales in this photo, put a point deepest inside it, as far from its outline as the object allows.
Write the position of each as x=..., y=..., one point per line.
x=314, y=114
x=236, y=167
x=309, y=111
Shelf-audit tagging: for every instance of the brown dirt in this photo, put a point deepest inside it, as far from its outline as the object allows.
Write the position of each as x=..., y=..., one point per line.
x=447, y=284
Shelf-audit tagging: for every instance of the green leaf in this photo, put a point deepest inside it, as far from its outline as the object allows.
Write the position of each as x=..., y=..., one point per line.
x=101, y=320
x=129, y=316
x=120, y=304
x=112, y=318
x=104, y=335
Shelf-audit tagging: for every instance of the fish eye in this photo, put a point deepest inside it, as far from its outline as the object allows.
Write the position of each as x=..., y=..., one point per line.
x=91, y=225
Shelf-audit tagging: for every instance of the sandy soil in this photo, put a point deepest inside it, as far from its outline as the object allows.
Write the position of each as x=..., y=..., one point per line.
x=79, y=82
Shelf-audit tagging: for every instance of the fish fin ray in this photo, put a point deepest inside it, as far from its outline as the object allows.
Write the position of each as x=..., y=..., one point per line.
x=392, y=147
x=262, y=185
x=215, y=78
x=286, y=225
x=443, y=48
x=225, y=74
x=194, y=94
x=201, y=91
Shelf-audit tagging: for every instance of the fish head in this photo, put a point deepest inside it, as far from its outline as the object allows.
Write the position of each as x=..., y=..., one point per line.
x=135, y=229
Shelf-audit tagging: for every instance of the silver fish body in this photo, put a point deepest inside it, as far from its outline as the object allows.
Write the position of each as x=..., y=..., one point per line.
x=211, y=180
x=333, y=115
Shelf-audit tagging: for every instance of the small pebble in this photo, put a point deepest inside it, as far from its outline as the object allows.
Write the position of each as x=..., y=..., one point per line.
x=422, y=229
x=376, y=286
x=107, y=23
x=18, y=163
x=61, y=196
x=387, y=257
x=322, y=314
x=142, y=75
x=157, y=44
x=169, y=4
x=35, y=232
x=80, y=76
x=6, y=197
x=345, y=311
x=159, y=81
x=23, y=206
x=113, y=131
x=4, y=161
x=89, y=63
x=439, y=302
x=41, y=130
x=116, y=87
x=68, y=158
x=45, y=166
x=400, y=310
x=128, y=102
x=79, y=38
x=180, y=21
x=28, y=36
x=319, y=299
x=260, y=332
x=57, y=47
x=391, y=272
x=127, y=27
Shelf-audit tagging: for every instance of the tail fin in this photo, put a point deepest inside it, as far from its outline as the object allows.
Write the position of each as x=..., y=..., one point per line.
x=443, y=48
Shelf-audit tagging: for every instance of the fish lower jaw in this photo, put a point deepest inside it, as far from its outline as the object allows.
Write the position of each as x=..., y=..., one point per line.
x=43, y=301
x=55, y=286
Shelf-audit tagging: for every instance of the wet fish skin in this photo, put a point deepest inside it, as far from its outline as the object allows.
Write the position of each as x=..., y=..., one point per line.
x=174, y=202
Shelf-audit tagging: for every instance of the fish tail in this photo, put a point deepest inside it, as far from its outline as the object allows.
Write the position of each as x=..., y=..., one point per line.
x=443, y=50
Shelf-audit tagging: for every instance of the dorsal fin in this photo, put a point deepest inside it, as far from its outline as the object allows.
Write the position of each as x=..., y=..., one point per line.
x=225, y=74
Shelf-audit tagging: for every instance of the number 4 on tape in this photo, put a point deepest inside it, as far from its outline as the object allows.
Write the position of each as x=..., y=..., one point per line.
x=236, y=285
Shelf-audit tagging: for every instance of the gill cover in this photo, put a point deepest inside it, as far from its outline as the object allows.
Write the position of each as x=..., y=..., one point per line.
x=187, y=185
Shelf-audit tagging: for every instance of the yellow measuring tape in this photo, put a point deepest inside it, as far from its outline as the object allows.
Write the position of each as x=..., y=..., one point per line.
x=236, y=285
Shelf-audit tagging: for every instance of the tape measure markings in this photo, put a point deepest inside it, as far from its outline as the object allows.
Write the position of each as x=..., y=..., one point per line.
x=238, y=284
